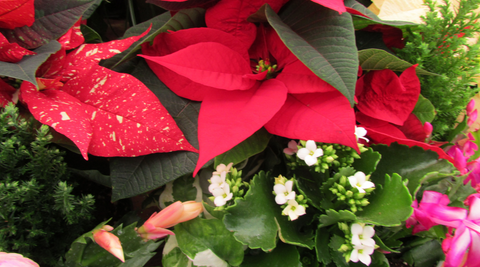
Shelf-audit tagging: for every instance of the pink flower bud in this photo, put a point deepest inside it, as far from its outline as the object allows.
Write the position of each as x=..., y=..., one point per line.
x=472, y=117
x=428, y=128
x=109, y=241
x=15, y=260
x=470, y=107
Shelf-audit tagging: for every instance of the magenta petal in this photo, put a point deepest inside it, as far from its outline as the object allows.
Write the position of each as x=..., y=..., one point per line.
x=448, y=216
x=229, y=117
x=323, y=117
x=474, y=213
x=435, y=197
x=473, y=259
x=336, y=5
x=460, y=243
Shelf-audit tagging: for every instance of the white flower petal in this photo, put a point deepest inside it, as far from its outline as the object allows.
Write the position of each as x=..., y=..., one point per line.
x=354, y=255
x=369, y=242
x=218, y=192
x=361, y=178
x=280, y=199
x=368, y=184
x=365, y=258
x=310, y=160
x=291, y=195
x=279, y=189
x=353, y=181
x=356, y=240
x=289, y=186
x=311, y=145
x=219, y=201
x=356, y=229
x=318, y=153
x=293, y=215
x=216, y=179
x=368, y=231
x=302, y=153
x=300, y=210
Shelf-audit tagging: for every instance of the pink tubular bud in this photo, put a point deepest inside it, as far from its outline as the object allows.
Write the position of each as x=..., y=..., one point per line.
x=470, y=107
x=109, y=241
x=428, y=128
x=472, y=117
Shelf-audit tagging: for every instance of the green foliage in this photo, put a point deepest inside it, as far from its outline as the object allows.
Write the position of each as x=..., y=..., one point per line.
x=441, y=46
x=39, y=216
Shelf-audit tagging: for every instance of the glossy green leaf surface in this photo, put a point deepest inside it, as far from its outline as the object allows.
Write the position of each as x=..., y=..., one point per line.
x=377, y=59
x=200, y=234
x=133, y=176
x=368, y=161
x=282, y=255
x=322, y=39
x=424, y=110
x=25, y=69
x=256, y=219
x=416, y=163
x=175, y=258
x=390, y=205
x=251, y=146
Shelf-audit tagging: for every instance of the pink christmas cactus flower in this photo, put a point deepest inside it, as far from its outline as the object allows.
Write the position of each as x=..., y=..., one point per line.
x=15, y=260
x=109, y=241
x=420, y=219
x=156, y=226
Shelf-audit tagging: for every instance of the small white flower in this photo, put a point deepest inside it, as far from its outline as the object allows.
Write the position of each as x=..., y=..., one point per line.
x=292, y=148
x=362, y=235
x=310, y=153
x=222, y=195
x=362, y=253
x=359, y=181
x=360, y=133
x=284, y=192
x=293, y=210
x=217, y=181
x=222, y=168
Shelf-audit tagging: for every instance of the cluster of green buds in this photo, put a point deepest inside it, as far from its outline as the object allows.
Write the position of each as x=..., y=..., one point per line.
x=293, y=205
x=226, y=184
x=351, y=190
x=266, y=65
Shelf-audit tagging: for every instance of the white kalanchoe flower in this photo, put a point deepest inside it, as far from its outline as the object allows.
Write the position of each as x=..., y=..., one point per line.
x=222, y=195
x=360, y=133
x=362, y=253
x=284, y=192
x=293, y=210
x=310, y=153
x=359, y=181
x=292, y=148
x=362, y=235
x=222, y=168
x=217, y=181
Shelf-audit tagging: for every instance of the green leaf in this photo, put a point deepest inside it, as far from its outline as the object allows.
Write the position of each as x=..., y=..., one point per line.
x=458, y=129
x=256, y=219
x=200, y=234
x=215, y=213
x=424, y=110
x=368, y=161
x=175, y=258
x=53, y=18
x=90, y=35
x=93, y=175
x=425, y=255
x=390, y=205
x=416, y=165
x=282, y=255
x=312, y=33
x=183, y=189
x=249, y=147
x=183, y=19
x=134, y=176
x=337, y=256
x=311, y=189
x=333, y=216
x=26, y=68
x=321, y=246
x=377, y=59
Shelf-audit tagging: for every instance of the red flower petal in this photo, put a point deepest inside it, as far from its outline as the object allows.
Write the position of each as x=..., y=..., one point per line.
x=383, y=95
x=73, y=37
x=6, y=92
x=413, y=128
x=323, y=117
x=12, y=52
x=229, y=117
x=332, y=4
x=16, y=13
x=379, y=125
x=299, y=79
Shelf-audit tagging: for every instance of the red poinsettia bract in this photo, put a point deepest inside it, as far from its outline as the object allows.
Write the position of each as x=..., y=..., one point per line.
x=16, y=13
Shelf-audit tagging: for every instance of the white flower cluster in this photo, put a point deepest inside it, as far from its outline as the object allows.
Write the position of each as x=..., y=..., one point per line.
x=363, y=243
x=219, y=187
x=284, y=194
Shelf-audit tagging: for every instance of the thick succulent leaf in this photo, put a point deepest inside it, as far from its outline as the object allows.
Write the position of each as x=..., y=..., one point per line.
x=134, y=176
x=256, y=219
x=175, y=258
x=424, y=110
x=332, y=217
x=16, y=13
x=178, y=5
x=323, y=117
x=198, y=235
x=377, y=59
x=52, y=20
x=311, y=189
x=25, y=69
x=390, y=205
x=251, y=146
x=416, y=165
x=183, y=19
x=322, y=249
x=368, y=161
x=282, y=255
x=315, y=42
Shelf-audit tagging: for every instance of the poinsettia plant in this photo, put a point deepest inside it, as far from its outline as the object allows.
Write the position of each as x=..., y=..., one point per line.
x=297, y=123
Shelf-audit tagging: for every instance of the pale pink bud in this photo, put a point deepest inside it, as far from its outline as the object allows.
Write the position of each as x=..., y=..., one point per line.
x=472, y=117
x=15, y=260
x=109, y=241
x=428, y=128
x=470, y=107
x=191, y=210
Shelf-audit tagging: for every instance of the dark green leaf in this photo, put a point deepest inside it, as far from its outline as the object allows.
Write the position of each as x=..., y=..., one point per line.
x=415, y=165
x=322, y=39
x=134, y=176
x=426, y=255
x=93, y=175
x=200, y=234
x=249, y=147
x=52, y=20
x=424, y=110
x=333, y=216
x=377, y=59
x=311, y=189
x=390, y=205
x=321, y=246
x=337, y=256
x=26, y=68
x=90, y=35
x=368, y=161
x=183, y=189
x=256, y=219
x=175, y=258
x=282, y=255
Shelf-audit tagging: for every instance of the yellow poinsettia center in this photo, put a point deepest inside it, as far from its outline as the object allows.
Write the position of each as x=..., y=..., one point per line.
x=266, y=65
